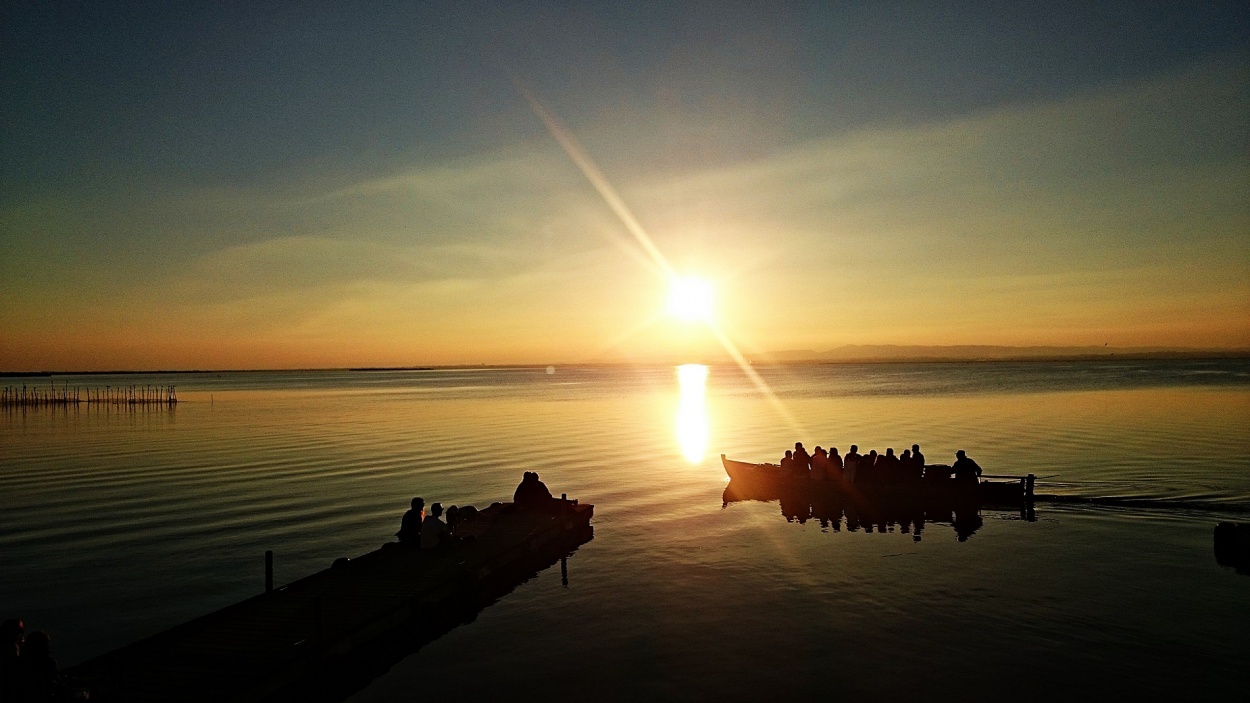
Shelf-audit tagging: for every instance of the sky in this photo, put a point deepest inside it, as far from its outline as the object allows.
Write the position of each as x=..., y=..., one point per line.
x=299, y=185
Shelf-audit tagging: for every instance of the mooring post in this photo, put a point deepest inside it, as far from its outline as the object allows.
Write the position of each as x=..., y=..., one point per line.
x=268, y=570
x=1028, y=486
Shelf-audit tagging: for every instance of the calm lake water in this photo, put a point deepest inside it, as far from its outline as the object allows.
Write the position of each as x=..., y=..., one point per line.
x=115, y=524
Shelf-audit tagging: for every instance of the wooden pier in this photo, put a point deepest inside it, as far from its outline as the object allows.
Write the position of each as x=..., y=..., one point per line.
x=327, y=635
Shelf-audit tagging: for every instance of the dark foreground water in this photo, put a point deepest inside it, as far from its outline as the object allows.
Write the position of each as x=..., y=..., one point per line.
x=116, y=524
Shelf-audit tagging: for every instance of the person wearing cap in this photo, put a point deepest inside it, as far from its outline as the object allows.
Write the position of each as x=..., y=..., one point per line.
x=965, y=469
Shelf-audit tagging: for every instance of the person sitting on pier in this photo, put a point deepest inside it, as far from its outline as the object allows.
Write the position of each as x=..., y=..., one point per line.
x=802, y=460
x=820, y=464
x=851, y=464
x=11, y=633
x=410, y=524
x=432, y=528
x=40, y=679
x=532, y=493
x=965, y=469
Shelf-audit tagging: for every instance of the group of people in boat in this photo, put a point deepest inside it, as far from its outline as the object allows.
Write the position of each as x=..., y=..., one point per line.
x=853, y=467
x=28, y=671
x=427, y=531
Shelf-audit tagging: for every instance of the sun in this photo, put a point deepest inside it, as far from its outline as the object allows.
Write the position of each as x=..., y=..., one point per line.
x=690, y=299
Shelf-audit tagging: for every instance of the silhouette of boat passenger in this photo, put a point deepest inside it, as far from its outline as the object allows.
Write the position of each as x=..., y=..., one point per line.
x=835, y=464
x=532, y=494
x=787, y=463
x=410, y=525
x=432, y=528
x=851, y=463
x=802, y=461
x=966, y=470
x=820, y=464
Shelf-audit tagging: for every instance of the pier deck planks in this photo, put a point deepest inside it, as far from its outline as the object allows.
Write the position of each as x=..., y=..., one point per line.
x=254, y=649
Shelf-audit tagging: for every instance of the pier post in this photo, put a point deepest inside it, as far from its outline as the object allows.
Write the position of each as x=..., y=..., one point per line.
x=1028, y=486
x=268, y=570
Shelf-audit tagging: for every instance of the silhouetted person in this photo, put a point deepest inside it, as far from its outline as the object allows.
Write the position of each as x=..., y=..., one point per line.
x=531, y=493
x=868, y=468
x=40, y=680
x=802, y=460
x=787, y=463
x=908, y=470
x=11, y=634
x=432, y=528
x=820, y=464
x=917, y=456
x=851, y=464
x=966, y=470
x=410, y=524
x=835, y=463
x=887, y=467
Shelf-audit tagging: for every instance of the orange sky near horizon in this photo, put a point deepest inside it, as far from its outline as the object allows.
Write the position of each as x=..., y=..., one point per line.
x=1113, y=214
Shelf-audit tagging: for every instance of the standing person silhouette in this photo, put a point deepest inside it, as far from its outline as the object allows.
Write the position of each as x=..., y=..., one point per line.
x=965, y=468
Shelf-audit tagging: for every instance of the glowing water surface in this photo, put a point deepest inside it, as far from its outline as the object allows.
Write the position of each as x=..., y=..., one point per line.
x=114, y=525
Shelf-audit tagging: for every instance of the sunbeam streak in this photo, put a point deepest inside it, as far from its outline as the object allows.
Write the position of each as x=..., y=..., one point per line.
x=601, y=184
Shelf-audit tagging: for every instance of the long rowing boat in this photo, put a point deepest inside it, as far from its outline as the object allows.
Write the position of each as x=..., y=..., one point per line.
x=765, y=479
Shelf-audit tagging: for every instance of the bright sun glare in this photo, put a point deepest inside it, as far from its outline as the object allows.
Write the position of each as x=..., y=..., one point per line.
x=690, y=299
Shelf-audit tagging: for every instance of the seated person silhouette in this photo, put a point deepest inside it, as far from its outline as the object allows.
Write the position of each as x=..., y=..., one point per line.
x=432, y=528
x=410, y=524
x=965, y=469
x=532, y=494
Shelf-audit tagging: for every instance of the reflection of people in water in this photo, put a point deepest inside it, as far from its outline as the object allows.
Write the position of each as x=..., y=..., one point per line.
x=966, y=470
x=966, y=522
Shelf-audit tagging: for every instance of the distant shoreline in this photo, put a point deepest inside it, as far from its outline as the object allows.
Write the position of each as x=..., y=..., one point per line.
x=1195, y=355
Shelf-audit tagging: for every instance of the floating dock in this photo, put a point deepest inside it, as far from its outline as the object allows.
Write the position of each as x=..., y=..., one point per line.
x=327, y=635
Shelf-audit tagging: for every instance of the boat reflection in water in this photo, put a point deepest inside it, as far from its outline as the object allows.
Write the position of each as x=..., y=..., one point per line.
x=876, y=513
x=692, y=424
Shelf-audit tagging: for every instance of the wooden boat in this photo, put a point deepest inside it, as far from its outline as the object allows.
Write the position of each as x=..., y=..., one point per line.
x=769, y=479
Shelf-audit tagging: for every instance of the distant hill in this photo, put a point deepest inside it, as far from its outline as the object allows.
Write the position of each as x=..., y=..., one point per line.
x=981, y=352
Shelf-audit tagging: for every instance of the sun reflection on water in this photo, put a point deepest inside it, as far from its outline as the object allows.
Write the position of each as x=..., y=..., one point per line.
x=692, y=425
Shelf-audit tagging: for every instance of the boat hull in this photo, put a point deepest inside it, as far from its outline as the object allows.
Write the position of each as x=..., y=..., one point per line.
x=768, y=482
